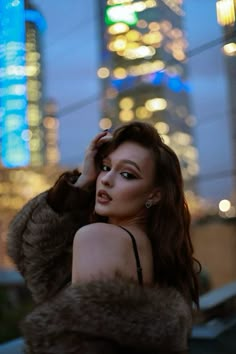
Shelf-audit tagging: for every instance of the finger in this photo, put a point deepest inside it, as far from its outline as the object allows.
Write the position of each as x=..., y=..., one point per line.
x=93, y=143
x=104, y=139
x=99, y=136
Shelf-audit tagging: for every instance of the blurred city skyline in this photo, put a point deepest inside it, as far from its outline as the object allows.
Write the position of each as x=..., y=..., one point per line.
x=71, y=57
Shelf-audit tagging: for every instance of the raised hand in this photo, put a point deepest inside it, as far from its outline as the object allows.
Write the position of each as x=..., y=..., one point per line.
x=89, y=169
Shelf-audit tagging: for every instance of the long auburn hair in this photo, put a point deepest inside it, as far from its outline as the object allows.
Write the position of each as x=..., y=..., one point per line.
x=169, y=220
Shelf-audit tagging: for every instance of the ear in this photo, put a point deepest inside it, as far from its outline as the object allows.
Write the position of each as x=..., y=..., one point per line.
x=155, y=196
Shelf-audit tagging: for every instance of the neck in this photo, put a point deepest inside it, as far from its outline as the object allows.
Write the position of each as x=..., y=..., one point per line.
x=139, y=222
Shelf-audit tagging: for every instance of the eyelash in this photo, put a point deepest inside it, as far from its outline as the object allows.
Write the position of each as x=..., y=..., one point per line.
x=126, y=175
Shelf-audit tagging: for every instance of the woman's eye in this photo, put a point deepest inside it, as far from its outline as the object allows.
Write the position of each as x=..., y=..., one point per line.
x=128, y=175
x=105, y=168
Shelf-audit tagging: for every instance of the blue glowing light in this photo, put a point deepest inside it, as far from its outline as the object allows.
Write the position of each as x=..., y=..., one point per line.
x=13, y=113
x=173, y=82
x=37, y=18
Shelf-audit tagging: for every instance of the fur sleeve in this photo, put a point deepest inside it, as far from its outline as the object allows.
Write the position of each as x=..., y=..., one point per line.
x=40, y=239
x=133, y=317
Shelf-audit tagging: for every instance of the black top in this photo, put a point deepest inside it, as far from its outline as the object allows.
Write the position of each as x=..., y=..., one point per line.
x=138, y=264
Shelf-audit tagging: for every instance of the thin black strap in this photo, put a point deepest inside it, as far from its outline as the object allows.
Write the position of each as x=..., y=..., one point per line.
x=138, y=264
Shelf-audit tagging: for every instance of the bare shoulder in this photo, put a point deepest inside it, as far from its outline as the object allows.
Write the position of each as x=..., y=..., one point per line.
x=101, y=232
x=99, y=251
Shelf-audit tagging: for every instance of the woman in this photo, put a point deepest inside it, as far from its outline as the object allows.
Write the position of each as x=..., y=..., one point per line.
x=133, y=277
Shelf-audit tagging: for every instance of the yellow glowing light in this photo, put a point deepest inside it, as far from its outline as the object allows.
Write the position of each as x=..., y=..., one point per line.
x=190, y=153
x=50, y=122
x=36, y=159
x=166, y=26
x=143, y=113
x=166, y=139
x=225, y=10
x=154, y=26
x=35, y=144
x=193, y=169
x=132, y=45
x=103, y=72
x=32, y=56
x=118, y=2
x=133, y=35
x=151, y=3
x=140, y=52
x=126, y=115
x=120, y=73
x=118, y=27
x=179, y=55
x=158, y=65
x=156, y=104
x=34, y=120
x=224, y=205
x=139, y=6
x=152, y=38
x=142, y=24
x=34, y=95
x=119, y=43
x=32, y=70
x=52, y=155
x=105, y=123
x=230, y=49
x=176, y=33
x=126, y=103
x=111, y=47
x=182, y=138
x=162, y=127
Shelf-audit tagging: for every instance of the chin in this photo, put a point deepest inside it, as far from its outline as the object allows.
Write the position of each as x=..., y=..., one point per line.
x=100, y=211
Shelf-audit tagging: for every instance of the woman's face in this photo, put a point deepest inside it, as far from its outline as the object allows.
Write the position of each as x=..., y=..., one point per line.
x=125, y=183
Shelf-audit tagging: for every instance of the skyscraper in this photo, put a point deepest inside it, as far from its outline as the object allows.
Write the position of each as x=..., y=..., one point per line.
x=28, y=127
x=13, y=97
x=25, y=132
x=144, y=75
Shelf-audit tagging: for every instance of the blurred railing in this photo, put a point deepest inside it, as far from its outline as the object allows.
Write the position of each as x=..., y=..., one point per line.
x=214, y=330
x=12, y=347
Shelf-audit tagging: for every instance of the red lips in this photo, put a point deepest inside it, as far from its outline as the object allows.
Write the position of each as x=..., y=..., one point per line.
x=103, y=195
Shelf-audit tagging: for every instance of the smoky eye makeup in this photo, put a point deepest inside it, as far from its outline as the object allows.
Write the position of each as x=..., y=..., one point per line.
x=128, y=175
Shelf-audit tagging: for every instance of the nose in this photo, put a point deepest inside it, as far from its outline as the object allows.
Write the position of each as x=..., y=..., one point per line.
x=107, y=179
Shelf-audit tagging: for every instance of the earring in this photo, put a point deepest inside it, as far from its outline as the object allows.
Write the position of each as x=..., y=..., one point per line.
x=148, y=203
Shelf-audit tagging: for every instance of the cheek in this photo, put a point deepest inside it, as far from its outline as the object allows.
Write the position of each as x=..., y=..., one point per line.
x=132, y=193
x=98, y=180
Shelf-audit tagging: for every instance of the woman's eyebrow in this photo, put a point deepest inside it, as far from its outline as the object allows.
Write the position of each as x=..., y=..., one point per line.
x=131, y=163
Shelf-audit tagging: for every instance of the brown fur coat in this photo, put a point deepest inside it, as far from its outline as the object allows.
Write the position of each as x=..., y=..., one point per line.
x=116, y=316
x=109, y=317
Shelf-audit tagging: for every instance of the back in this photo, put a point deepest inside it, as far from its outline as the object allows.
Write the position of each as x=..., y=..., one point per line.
x=103, y=251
